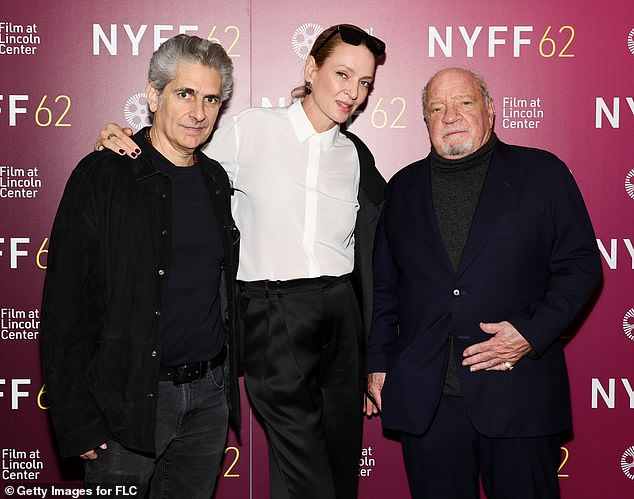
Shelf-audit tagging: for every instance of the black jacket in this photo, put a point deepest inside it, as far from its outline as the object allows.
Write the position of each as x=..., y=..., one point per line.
x=371, y=192
x=371, y=187
x=531, y=259
x=104, y=299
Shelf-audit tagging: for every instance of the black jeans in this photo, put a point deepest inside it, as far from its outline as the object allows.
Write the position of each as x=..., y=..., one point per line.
x=191, y=430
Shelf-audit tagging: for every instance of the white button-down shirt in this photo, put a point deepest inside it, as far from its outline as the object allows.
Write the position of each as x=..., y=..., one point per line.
x=296, y=193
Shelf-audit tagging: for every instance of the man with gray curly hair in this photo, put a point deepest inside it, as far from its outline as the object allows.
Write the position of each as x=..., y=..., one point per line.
x=138, y=310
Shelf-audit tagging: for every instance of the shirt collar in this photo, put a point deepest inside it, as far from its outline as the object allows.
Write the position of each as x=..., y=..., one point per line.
x=304, y=129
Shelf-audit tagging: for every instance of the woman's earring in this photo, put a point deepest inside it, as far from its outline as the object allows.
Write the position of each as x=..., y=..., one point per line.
x=309, y=87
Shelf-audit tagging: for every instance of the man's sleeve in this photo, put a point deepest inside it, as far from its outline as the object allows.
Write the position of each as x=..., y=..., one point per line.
x=574, y=266
x=65, y=346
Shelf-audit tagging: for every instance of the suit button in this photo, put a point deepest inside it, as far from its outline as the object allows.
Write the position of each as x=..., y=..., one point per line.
x=157, y=313
x=456, y=292
x=161, y=272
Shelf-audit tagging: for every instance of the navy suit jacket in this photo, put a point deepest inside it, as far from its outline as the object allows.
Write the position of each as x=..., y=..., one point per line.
x=531, y=258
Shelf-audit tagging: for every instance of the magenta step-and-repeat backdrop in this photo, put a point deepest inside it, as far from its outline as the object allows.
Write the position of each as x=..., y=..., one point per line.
x=561, y=74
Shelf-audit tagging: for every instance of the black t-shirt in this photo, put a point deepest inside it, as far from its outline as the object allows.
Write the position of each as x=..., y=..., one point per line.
x=193, y=325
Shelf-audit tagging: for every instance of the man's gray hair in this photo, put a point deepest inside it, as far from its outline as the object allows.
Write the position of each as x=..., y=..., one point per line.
x=479, y=80
x=189, y=49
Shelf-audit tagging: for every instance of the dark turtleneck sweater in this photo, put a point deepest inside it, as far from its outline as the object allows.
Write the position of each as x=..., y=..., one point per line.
x=456, y=185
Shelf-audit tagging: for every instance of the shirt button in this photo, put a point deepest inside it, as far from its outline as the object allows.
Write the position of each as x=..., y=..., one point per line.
x=456, y=292
x=161, y=272
x=157, y=313
x=154, y=353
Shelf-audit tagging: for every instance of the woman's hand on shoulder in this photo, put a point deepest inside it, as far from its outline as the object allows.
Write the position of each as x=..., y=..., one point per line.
x=117, y=139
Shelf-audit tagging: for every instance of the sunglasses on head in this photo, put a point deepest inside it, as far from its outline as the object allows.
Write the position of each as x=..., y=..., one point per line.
x=355, y=36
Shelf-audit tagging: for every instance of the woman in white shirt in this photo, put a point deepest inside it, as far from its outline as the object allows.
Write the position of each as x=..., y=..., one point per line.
x=307, y=198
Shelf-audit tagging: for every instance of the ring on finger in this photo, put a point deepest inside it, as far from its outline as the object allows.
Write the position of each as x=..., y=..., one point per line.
x=111, y=135
x=509, y=366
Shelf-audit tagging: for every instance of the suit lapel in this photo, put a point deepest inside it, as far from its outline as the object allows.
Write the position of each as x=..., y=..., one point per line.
x=495, y=194
x=420, y=203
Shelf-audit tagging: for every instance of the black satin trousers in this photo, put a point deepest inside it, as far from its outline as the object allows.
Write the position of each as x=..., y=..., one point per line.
x=302, y=342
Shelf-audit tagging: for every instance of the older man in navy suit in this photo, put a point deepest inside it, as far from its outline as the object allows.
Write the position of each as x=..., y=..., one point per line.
x=485, y=253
